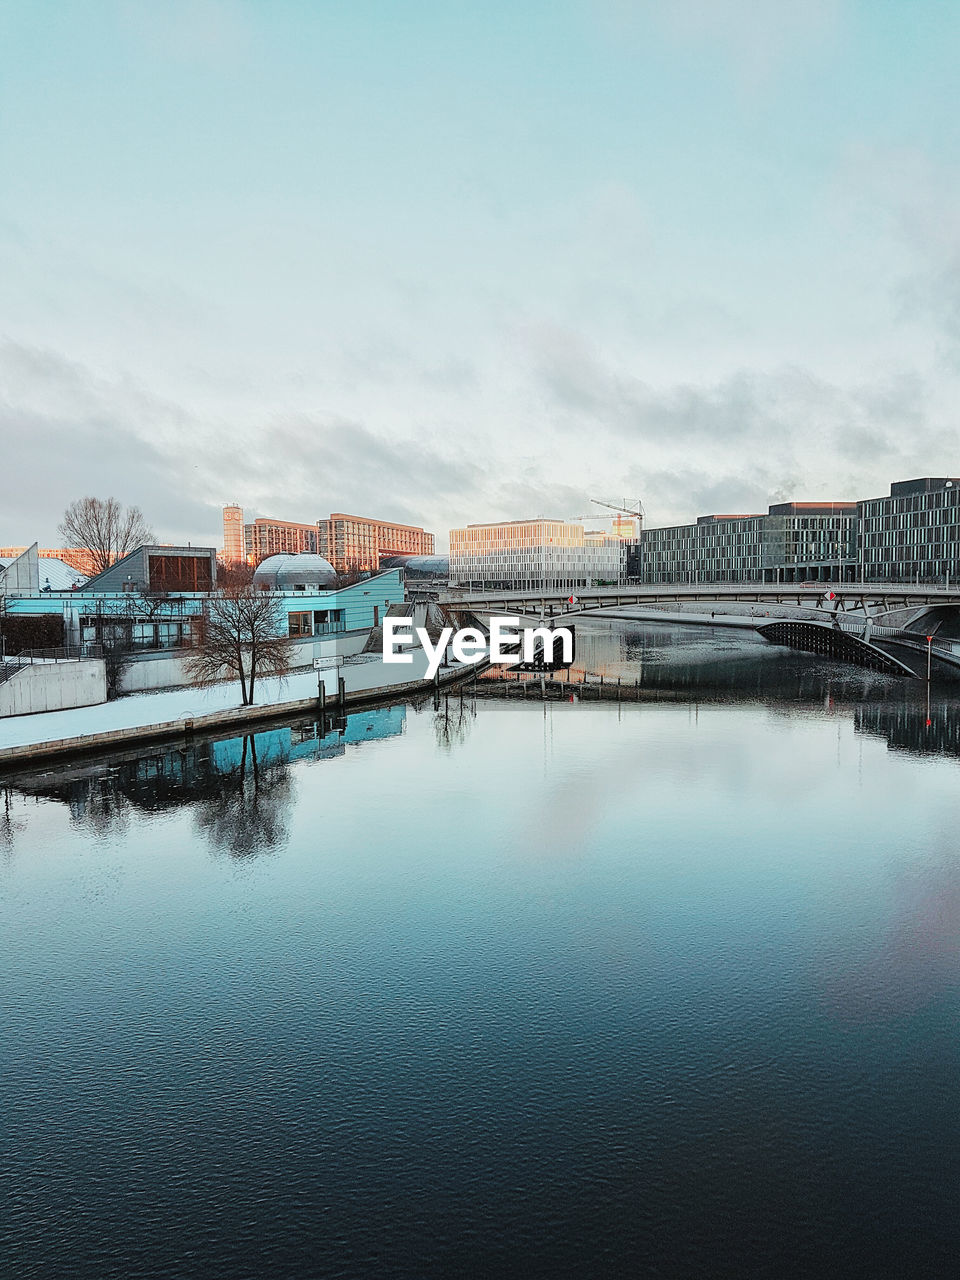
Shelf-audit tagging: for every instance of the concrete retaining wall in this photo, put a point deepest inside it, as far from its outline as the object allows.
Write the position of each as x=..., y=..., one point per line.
x=227, y=717
x=54, y=686
x=156, y=672
x=150, y=672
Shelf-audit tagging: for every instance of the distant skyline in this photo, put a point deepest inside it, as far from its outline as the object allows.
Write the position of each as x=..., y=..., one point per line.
x=452, y=263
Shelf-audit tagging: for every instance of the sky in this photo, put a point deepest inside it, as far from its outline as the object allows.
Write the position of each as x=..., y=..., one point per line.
x=446, y=262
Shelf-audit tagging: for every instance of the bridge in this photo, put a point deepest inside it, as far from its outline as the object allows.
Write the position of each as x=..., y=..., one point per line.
x=837, y=597
x=843, y=622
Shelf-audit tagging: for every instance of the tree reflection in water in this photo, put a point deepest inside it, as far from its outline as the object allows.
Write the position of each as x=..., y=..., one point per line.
x=247, y=814
x=453, y=718
x=240, y=789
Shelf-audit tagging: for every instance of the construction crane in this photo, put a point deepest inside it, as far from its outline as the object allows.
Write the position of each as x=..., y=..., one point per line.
x=632, y=508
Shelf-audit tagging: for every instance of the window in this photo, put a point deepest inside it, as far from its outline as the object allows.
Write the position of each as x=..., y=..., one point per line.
x=301, y=624
x=179, y=573
x=327, y=621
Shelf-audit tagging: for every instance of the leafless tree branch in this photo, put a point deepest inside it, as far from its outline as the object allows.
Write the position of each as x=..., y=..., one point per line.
x=244, y=634
x=106, y=528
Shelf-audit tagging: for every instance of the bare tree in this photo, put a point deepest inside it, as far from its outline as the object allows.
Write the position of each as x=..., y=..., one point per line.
x=244, y=634
x=234, y=575
x=106, y=528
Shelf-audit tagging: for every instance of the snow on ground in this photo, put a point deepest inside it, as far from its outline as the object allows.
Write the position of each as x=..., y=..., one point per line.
x=149, y=708
x=359, y=673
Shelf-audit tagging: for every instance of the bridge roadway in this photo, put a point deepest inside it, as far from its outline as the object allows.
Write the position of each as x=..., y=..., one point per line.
x=841, y=619
x=867, y=598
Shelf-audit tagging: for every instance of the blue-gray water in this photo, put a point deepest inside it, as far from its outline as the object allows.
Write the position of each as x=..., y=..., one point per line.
x=497, y=988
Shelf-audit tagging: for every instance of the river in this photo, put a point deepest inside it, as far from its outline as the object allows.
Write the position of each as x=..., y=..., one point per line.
x=497, y=987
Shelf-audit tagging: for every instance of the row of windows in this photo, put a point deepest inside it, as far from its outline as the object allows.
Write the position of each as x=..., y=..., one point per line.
x=315, y=622
x=939, y=499
x=141, y=635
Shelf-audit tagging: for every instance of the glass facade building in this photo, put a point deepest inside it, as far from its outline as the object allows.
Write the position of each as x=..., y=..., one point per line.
x=914, y=534
x=793, y=542
x=541, y=555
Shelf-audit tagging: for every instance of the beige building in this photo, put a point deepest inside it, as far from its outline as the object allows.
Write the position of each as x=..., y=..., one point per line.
x=520, y=555
x=253, y=542
x=353, y=544
x=234, y=551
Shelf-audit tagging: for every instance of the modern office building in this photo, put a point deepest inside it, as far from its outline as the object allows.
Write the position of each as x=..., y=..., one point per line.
x=793, y=542
x=356, y=544
x=914, y=534
x=153, y=605
x=352, y=544
x=718, y=548
x=252, y=542
x=268, y=537
x=548, y=555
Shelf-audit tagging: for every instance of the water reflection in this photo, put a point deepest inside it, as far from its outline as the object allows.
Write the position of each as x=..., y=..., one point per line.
x=697, y=666
x=241, y=788
x=247, y=812
x=10, y=824
x=664, y=976
x=916, y=727
x=718, y=663
x=452, y=720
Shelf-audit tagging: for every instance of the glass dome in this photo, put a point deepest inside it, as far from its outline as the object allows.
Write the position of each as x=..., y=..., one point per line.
x=302, y=572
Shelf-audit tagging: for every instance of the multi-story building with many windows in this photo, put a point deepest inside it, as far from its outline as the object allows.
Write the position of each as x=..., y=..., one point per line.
x=793, y=542
x=548, y=555
x=914, y=534
x=263, y=537
x=268, y=537
x=719, y=548
x=354, y=544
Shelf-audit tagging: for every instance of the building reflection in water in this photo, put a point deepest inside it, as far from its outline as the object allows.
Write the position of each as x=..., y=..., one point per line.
x=691, y=665
x=920, y=728
x=241, y=788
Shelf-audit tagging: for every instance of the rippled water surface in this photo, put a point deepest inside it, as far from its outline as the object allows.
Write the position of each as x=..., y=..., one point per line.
x=497, y=987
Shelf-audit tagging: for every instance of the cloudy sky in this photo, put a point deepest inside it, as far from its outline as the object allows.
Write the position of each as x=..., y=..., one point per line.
x=446, y=262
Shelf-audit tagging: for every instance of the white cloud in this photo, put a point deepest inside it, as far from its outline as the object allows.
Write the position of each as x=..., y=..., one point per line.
x=759, y=38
